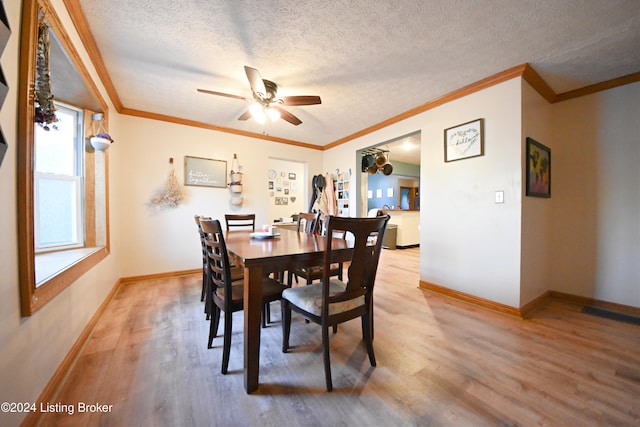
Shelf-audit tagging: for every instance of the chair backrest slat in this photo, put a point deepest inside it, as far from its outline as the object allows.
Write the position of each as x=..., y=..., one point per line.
x=198, y=218
x=218, y=256
x=240, y=221
x=308, y=222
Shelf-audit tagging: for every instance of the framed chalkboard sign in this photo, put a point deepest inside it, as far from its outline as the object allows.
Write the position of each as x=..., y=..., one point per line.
x=202, y=172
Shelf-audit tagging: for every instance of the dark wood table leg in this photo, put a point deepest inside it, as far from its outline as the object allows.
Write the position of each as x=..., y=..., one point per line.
x=252, y=311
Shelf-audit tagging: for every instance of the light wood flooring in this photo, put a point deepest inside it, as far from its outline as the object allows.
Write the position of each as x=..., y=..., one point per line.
x=441, y=362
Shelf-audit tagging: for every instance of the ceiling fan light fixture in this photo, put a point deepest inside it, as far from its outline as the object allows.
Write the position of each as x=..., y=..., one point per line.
x=257, y=112
x=265, y=96
x=262, y=113
x=273, y=114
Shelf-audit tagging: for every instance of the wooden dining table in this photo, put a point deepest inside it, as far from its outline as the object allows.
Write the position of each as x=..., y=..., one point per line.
x=288, y=250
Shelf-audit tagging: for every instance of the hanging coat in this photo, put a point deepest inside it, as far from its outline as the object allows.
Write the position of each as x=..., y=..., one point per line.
x=329, y=190
x=317, y=185
x=314, y=194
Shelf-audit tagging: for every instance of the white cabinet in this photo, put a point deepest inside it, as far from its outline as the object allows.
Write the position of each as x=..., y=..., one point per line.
x=408, y=222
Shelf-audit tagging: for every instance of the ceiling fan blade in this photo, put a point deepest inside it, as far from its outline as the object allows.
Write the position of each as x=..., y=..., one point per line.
x=245, y=116
x=228, y=95
x=301, y=100
x=255, y=80
x=285, y=115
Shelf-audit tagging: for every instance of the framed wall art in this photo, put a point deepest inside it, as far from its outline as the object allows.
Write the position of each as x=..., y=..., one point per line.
x=202, y=172
x=538, y=169
x=464, y=141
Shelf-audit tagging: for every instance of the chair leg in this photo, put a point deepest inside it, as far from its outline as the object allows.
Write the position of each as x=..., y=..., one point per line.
x=327, y=363
x=290, y=279
x=268, y=320
x=309, y=281
x=266, y=313
x=286, y=324
x=207, y=292
x=367, y=330
x=213, y=326
x=204, y=282
x=226, y=348
x=371, y=317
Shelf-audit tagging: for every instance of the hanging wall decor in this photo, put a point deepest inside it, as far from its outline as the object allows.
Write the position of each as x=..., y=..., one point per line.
x=173, y=193
x=464, y=141
x=235, y=182
x=202, y=172
x=45, y=109
x=538, y=161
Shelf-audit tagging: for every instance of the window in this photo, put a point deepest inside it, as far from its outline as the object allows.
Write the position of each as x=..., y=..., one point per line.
x=58, y=195
x=63, y=184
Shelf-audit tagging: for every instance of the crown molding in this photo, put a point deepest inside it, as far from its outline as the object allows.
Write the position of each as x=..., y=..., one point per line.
x=598, y=87
x=82, y=27
x=208, y=126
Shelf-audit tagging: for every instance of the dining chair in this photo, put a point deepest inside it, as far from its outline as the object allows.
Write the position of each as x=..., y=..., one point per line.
x=226, y=294
x=234, y=221
x=310, y=223
x=237, y=272
x=204, y=255
x=332, y=301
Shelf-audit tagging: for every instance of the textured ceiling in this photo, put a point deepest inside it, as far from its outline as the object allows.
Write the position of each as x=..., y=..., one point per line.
x=368, y=60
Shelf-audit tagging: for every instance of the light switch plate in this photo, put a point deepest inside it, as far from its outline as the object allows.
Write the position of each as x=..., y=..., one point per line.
x=500, y=196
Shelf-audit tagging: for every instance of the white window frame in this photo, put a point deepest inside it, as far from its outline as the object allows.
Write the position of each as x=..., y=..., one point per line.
x=78, y=179
x=78, y=218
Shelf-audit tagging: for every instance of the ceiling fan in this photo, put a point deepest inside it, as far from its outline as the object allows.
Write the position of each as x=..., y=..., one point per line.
x=267, y=103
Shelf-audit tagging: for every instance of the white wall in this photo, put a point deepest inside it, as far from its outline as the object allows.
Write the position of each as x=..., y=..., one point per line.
x=537, y=213
x=468, y=243
x=32, y=348
x=584, y=240
x=158, y=240
x=299, y=189
x=596, y=181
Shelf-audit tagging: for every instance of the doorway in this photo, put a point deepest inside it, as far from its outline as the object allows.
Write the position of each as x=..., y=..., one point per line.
x=378, y=191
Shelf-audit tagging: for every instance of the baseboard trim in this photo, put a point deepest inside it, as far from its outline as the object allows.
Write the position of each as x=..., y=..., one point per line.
x=51, y=389
x=472, y=299
x=535, y=304
x=531, y=306
x=626, y=309
x=133, y=279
